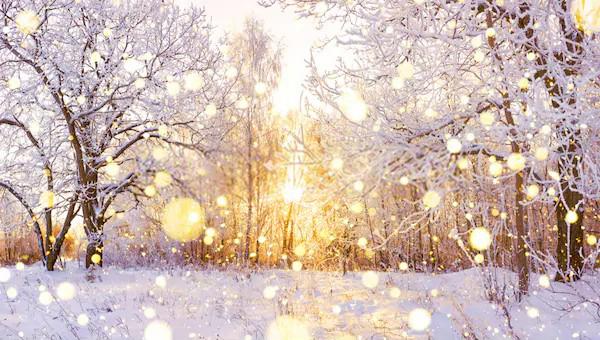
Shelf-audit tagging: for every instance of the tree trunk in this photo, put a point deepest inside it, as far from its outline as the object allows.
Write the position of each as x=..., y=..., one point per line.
x=570, y=236
x=521, y=258
x=53, y=251
x=420, y=257
x=257, y=259
x=522, y=265
x=432, y=251
x=51, y=261
x=94, y=254
x=372, y=234
x=291, y=238
x=286, y=225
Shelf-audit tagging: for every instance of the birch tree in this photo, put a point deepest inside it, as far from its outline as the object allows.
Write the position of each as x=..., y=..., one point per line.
x=250, y=147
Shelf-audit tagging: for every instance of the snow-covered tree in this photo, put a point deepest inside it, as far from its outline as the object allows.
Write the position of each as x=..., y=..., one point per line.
x=450, y=97
x=86, y=84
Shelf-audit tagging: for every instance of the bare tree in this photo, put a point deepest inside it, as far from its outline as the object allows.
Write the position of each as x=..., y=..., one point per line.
x=253, y=141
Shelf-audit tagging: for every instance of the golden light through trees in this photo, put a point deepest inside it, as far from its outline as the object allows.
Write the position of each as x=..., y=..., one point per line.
x=523, y=84
x=431, y=199
x=480, y=238
x=162, y=179
x=495, y=169
x=586, y=14
x=222, y=201
x=300, y=250
x=532, y=191
x=571, y=217
x=454, y=145
x=444, y=138
x=96, y=258
x=356, y=208
x=183, y=219
x=150, y=191
x=260, y=88
x=516, y=162
x=358, y=186
x=292, y=193
x=337, y=164
x=591, y=240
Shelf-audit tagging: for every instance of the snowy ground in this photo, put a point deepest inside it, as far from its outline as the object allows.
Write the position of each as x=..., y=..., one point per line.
x=120, y=304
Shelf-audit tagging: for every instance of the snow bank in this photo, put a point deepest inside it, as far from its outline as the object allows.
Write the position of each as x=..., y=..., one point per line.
x=192, y=304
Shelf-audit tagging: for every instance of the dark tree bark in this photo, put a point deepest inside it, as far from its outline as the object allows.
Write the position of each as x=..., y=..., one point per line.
x=94, y=248
x=522, y=263
x=569, y=250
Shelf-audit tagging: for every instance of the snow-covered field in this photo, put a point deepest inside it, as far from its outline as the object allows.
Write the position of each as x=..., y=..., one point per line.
x=210, y=304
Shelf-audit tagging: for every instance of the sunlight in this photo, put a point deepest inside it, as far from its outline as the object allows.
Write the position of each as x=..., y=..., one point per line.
x=299, y=169
x=292, y=193
x=183, y=219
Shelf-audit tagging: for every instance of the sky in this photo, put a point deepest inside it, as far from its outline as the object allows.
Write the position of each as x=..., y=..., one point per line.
x=297, y=36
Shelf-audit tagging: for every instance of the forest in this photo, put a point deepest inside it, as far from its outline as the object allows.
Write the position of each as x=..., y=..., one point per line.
x=435, y=174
